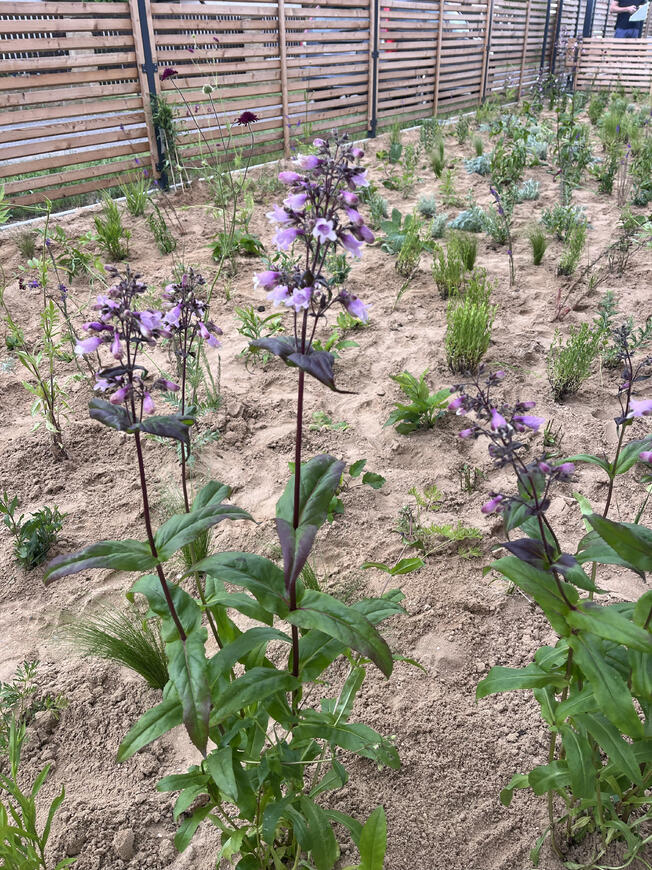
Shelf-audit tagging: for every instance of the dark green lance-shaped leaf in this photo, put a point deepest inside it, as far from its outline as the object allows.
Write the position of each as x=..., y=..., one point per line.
x=354, y=737
x=608, y=623
x=253, y=687
x=572, y=571
x=175, y=426
x=592, y=460
x=178, y=781
x=156, y=722
x=549, y=777
x=334, y=778
x=352, y=825
x=330, y=616
x=629, y=454
x=632, y=543
x=347, y=696
x=593, y=549
x=114, y=416
x=611, y=742
x=318, y=838
x=260, y=576
x=239, y=601
x=188, y=827
x=116, y=555
x=580, y=762
x=500, y=679
x=188, y=669
x=213, y=492
x=320, y=478
x=543, y=588
x=583, y=701
x=642, y=610
x=224, y=661
x=219, y=764
x=182, y=529
x=373, y=841
x=187, y=798
x=609, y=687
x=187, y=609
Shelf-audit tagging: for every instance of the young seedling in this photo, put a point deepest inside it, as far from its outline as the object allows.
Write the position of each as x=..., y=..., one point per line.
x=424, y=408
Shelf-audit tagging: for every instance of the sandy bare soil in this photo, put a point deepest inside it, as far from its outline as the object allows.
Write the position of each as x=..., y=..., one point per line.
x=442, y=805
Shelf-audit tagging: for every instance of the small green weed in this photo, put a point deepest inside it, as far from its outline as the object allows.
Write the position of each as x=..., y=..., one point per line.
x=424, y=407
x=33, y=537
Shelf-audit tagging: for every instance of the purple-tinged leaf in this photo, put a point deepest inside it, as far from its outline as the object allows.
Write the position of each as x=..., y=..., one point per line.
x=114, y=416
x=175, y=426
x=125, y=555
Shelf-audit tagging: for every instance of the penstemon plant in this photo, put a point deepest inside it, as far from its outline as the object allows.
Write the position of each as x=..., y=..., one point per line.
x=269, y=748
x=593, y=685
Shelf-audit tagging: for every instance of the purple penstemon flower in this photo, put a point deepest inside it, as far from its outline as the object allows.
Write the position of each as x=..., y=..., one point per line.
x=279, y=294
x=296, y=201
x=360, y=179
x=457, y=404
x=209, y=335
x=640, y=408
x=289, y=177
x=528, y=421
x=284, y=237
x=308, y=161
x=88, y=345
x=266, y=279
x=279, y=215
x=323, y=231
x=497, y=420
x=356, y=308
x=352, y=245
x=300, y=298
x=349, y=198
x=493, y=504
x=354, y=216
x=645, y=456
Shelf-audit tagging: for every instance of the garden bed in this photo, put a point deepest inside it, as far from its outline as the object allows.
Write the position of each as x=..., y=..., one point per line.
x=442, y=805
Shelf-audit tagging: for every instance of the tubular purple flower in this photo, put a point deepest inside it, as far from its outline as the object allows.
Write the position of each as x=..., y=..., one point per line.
x=360, y=179
x=323, y=231
x=148, y=404
x=566, y=468
x=308, y=161
x=148, y=321
x=296, y=201
x=497, y=420
x=300, y=298
x=278, y=295
x=209, y=337
x=466, y=433
x=168, y=386
x=119, y=396
x=94, y=326
x=646, y=456
x=88, y=345
x=545, y=467
x=173, y=316
x=357, y=153
x=354, y=216
x=284, y=237
x=492, y=505
x=266, y=279
x=364, y=234
x=278, y=215
x=456, y=403
x=640, y=408
x=356, y=308
x=116, y=346
x=352, y=245
x=289, y=177
x=349, y=198
x=529, y=421
x=318, y=143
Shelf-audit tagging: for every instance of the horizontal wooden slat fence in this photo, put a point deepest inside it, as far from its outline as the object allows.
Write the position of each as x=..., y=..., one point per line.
x=71, y=104
x=605, y=63
x=77, y=78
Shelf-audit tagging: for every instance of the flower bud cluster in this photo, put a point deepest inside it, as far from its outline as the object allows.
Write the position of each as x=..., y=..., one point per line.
x=502, y=424
x=319, y=212
x=185, y=312
x=121, y=327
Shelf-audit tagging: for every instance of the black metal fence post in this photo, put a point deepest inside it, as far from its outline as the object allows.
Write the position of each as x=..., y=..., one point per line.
x=150, y=68
x=371, y=132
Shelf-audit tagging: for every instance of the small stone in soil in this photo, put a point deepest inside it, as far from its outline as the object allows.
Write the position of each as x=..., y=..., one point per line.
x=123, y=843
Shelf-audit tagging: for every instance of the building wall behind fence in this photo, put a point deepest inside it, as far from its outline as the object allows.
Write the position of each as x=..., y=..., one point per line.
x=76, y=77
